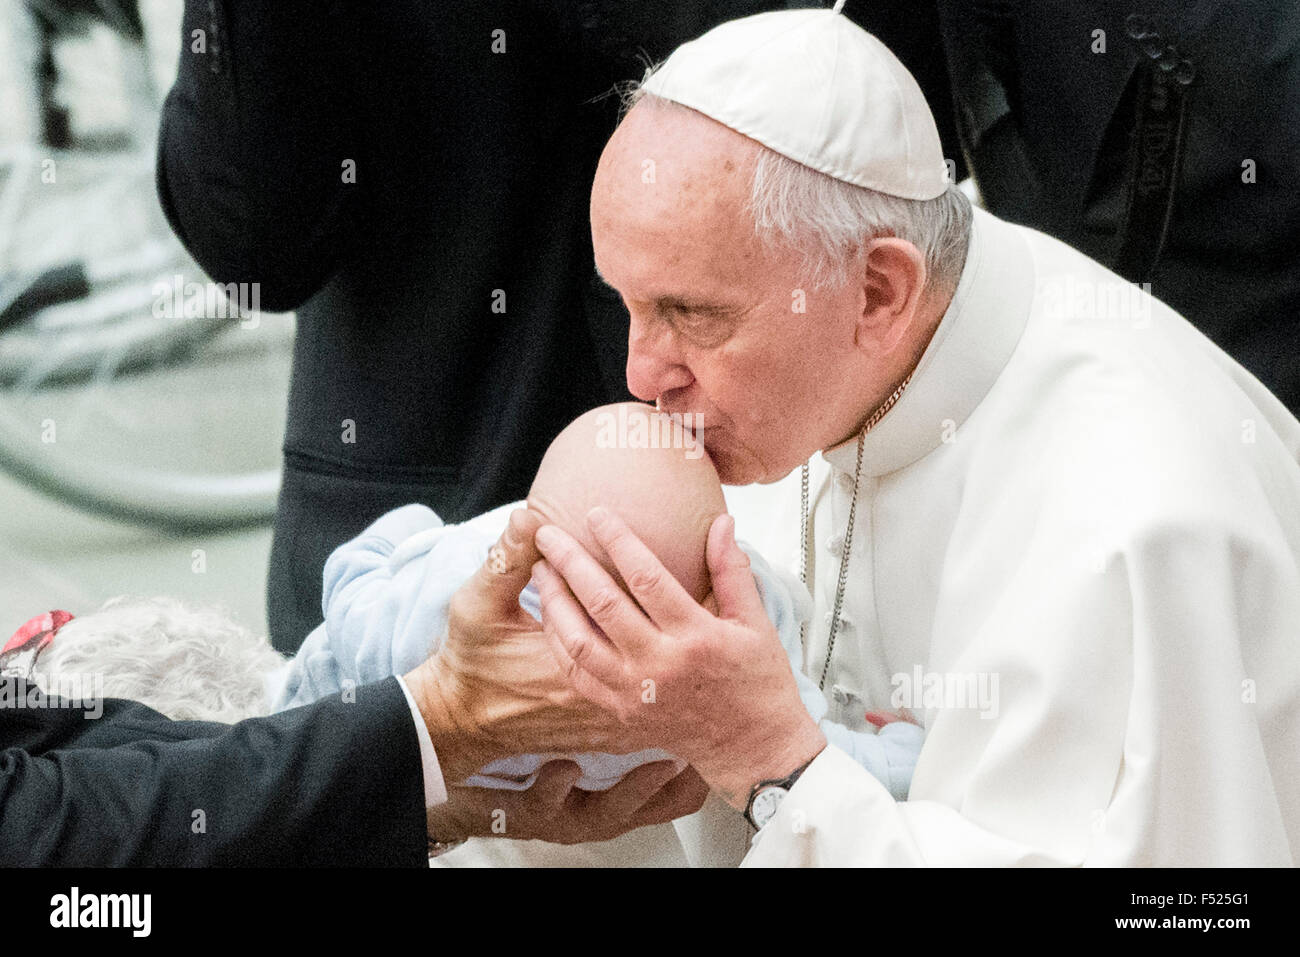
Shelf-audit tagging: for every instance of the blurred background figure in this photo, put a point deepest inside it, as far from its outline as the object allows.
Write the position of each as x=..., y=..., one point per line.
x=414, y=181
x=1160, y=137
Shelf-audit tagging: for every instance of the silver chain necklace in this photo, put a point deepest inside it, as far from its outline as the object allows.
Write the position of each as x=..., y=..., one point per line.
x=805, y=527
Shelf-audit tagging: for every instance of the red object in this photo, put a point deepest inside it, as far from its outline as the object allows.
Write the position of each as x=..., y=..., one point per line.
x=36, y=633
x=882, y=718
x=879, y=718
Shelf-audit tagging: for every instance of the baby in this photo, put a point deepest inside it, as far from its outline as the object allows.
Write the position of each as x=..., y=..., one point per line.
x=386, y=593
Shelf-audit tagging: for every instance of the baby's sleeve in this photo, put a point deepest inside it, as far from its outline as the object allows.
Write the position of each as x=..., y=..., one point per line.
x=365, y=601
x=360, y=603
x=890, y=754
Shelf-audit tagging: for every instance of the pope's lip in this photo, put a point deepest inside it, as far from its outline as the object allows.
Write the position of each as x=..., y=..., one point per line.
x=709, y=437
x=690, y=415
x=693, y=422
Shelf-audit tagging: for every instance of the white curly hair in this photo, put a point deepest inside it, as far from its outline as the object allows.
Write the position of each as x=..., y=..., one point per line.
x=190, y=663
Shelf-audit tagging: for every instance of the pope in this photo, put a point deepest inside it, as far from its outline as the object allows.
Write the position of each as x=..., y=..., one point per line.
x=1094, y=512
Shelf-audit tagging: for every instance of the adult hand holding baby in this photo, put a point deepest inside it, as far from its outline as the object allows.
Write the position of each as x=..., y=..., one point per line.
x=554, y=810
x=495, y=689
x=724, y=697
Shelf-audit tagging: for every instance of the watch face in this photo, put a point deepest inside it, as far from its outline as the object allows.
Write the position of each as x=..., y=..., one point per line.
x=766, y=803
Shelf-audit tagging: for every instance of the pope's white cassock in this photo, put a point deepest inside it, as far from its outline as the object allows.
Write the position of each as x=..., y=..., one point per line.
x=1086, y=518
x=1075, y=559
x=1080, y=526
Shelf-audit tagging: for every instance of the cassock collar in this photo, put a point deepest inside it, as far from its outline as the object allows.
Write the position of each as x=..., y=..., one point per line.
x=972, y=344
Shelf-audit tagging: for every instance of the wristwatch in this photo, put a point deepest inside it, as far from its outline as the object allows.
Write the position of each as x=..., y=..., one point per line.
x=766, y=797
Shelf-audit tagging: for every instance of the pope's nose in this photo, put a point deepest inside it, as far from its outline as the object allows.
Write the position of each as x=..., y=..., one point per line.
x=653, y=367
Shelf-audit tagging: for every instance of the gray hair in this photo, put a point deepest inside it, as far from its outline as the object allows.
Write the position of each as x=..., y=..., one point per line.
x=827, y=220
x=188, y=663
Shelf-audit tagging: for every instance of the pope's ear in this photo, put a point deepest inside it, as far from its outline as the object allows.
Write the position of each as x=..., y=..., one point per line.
x=893, y=282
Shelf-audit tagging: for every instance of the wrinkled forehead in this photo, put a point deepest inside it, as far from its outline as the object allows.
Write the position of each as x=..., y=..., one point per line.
x=668, y=159
x=671, y=194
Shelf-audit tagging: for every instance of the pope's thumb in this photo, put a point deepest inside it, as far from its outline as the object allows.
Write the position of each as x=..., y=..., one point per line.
x=733, y=582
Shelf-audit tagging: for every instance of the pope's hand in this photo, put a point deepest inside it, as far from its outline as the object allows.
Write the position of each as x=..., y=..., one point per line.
x=494, y=688
x=554, y=810
x=715, y=690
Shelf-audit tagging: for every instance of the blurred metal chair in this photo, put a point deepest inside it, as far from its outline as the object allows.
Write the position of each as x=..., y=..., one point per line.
x=84, y=255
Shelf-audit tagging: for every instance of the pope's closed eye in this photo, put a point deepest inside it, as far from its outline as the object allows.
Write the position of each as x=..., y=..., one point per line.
x=701, y=327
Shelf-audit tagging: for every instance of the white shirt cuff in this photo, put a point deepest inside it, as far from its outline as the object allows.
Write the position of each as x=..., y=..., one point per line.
x=435, y=788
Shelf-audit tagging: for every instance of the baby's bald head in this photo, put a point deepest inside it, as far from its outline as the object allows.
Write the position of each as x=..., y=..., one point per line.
x=642, y=465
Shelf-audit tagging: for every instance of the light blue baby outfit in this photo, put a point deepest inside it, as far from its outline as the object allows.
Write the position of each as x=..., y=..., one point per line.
x=385, y=600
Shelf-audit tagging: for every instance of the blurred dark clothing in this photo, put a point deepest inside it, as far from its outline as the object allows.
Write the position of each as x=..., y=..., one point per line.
x=912, y=33
x=1055, y=135
x=335, y=784
x=472, y=177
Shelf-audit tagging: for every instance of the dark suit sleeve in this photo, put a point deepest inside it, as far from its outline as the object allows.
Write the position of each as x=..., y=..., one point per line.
x=334, y=783
x=254, y=135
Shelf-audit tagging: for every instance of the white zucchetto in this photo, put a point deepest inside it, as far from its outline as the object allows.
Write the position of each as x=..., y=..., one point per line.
x=817, y=88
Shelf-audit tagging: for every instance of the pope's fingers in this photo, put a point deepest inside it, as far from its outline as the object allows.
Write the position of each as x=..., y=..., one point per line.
x=596, y=592
x=733, y=580
x=591, y=663
x=653, y=586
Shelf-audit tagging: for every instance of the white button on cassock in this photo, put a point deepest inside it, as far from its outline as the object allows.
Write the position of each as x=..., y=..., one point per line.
x=845, y=623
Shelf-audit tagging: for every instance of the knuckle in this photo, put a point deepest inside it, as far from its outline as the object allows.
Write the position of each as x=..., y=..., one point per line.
x=498, y=559
x=645, y=579
x=604, y=604
x=579, y=649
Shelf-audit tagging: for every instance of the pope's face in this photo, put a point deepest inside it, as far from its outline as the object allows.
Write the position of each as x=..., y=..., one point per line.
x=721, y=326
